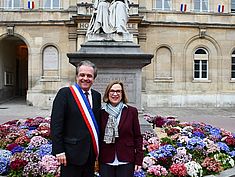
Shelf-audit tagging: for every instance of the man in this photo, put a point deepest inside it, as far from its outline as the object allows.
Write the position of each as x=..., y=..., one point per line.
x=74, y=129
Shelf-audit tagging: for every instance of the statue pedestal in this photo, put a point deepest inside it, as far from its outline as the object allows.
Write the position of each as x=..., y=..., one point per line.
x=115, y=61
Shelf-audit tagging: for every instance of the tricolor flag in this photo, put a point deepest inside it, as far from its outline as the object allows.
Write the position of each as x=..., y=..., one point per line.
x=30, y=4
x=220, y=8
x=183, y=7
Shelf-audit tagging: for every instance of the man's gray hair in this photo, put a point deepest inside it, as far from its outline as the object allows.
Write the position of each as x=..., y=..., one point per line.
x=87, y=63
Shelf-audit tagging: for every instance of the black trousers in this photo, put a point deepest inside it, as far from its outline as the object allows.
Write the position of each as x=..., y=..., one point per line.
x=85, y=170
x=125, y=170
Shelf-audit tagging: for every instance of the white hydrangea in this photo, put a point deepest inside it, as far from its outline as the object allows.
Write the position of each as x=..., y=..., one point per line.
x=194, y=169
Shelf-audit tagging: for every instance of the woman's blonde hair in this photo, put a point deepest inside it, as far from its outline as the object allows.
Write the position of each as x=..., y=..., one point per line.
x=106, y=93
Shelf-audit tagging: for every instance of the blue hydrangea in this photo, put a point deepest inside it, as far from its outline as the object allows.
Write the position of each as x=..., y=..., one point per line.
x=195, y=143
x=5, y=156
x=199, y=134
x=215, y=131
x=29, y=149
x=179, y=144
x=17, y=149
x=4, y=165
x=208, y=128
x=232, y=154
x=139, y=173
x=45, y=149
x=163, y=151
x=223, y=147
x=29, y=134
x=23, y=127
x=32, y=128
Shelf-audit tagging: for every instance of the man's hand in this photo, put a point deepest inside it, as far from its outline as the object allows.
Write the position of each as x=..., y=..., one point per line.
x=61, y=159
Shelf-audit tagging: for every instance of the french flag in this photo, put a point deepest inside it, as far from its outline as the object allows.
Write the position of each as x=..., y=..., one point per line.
x=220, y=8
x=31, y=4
x=183, y=7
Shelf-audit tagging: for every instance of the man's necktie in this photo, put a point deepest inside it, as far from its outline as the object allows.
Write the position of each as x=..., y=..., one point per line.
x=86, y=93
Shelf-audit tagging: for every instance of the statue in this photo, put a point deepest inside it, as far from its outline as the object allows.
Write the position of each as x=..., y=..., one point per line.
x=110, y=16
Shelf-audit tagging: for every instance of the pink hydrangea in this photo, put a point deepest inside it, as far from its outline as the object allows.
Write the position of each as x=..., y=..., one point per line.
x=157, y=170
x=37, y=141
x=49, y=164
x=178, y=170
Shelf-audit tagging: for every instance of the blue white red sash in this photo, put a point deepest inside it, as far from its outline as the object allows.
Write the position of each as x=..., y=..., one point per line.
x=87, y=115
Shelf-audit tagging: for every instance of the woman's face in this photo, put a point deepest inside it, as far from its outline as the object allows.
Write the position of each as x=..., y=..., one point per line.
x=115, y=94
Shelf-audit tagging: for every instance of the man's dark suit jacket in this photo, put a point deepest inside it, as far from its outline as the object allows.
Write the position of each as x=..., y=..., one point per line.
x=128, y=145
x=69, y=132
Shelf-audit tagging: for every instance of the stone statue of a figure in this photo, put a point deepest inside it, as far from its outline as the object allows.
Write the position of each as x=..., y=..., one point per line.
x=109, y=16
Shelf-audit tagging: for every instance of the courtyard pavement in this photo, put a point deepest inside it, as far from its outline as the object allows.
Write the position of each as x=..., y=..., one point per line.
x=219, y=117
x=18, y=109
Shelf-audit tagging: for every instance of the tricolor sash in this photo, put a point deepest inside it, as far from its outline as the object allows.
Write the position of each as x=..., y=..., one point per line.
x=87, y=115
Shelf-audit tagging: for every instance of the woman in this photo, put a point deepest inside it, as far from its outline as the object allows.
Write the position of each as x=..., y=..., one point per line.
x=121, y=140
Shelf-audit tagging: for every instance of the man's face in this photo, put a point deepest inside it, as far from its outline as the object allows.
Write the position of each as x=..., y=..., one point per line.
x=85, y=77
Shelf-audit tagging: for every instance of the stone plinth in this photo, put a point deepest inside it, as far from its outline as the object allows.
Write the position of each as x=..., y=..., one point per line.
x=115, y=61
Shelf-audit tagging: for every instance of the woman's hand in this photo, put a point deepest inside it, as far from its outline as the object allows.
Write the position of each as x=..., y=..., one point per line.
x=138, y=167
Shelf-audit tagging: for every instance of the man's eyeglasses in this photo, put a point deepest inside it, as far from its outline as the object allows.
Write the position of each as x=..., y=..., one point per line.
x=115, y=91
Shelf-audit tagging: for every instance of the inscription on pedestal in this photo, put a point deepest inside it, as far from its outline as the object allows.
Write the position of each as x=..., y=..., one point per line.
x=129, y=80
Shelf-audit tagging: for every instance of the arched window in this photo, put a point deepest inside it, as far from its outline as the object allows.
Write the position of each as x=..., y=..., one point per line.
x=233, y=65
x=201, y=64
x=50, y=61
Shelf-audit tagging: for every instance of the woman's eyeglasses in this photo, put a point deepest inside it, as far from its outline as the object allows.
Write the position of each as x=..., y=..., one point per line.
x=115, y=91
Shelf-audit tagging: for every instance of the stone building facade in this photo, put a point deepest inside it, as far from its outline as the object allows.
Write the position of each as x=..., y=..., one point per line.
x=193, y=42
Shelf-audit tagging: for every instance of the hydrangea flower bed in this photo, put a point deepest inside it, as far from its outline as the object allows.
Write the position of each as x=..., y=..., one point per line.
x=186, y=149
x=178, y=149
x=25, y=149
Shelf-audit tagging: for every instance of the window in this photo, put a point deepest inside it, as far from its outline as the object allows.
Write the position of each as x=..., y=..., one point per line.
x=233, y=66
x=8, y=78
x=201, y=64
x=51, y=4
x=12, y=4
x=162, y=4
x=233, y=6
x=201, y=5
